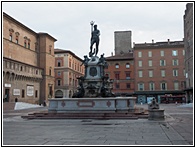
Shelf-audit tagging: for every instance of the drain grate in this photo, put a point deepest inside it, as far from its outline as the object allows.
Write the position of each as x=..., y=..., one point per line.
x=97, y=124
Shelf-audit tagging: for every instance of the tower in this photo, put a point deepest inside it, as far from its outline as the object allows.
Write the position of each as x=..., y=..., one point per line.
x=123, y=42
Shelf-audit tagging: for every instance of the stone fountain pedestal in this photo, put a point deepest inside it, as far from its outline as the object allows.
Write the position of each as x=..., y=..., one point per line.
x=154, y=113
x=97, y=105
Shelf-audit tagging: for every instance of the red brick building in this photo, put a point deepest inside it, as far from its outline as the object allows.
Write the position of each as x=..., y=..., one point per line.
x=159, y=69
x=121, y=70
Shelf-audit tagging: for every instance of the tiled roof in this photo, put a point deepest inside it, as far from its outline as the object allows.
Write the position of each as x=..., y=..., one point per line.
x=125, y=56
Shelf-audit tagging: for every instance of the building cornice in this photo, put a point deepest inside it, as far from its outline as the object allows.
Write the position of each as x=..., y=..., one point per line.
x=18, y=23
x=157, y=45
x=59, y=51
x=46, y=34
x=25, y=27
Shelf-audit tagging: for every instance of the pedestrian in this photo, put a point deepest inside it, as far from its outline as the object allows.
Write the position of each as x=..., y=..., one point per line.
x=16, y=99
x=44, y=103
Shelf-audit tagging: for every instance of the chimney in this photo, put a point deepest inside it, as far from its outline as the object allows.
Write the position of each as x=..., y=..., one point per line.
x=168, y=41
x=112, y=53
x=152, y=41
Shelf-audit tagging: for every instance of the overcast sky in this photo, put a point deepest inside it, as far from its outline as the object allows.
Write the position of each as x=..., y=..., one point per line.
x=69, y=22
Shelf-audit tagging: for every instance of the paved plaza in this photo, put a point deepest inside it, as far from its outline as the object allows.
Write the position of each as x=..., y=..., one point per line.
x=176, y=129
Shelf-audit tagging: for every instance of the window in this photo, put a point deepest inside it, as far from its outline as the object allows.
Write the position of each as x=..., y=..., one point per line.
x=59, y=63
x=21, y=68
x=162, y=63
x=151, y=86
x=149, y=53
x=17, y=35
x=140, y=86
x=69, y=62
x=23, y=93
x=163, y=73
x=50, y=71
x=25, y=44
x=188, y=66
x=150, y=63
x=175, y=62
x=174, y=52
x=176, y=85
x=59, y=73
x=50, y=90
x=163, y=86
x=175, y=72
x=50, y=49
x=16, y=41
x=28, y=45
x=12, y=65
x=127, y=65
x=117, y=66
x=10, y=37
x=140, y=73
x=128, y=85
x=150, y=72
x=140, y=63
x=183, y=52
x=139, y=54
x=162, y=53
x=36, y=93
x=117, y=86
x=58, y=82
x=117, y=76
x=183, y=84
x=128, y=76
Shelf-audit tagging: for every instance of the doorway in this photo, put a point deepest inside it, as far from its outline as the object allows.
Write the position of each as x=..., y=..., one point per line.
x=6, y=98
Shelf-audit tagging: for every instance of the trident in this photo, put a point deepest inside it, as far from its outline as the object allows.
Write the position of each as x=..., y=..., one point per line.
x=92, y=23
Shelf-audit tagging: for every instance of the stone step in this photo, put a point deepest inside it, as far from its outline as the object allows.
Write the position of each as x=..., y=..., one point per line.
x=84, y=116
x=8, y=106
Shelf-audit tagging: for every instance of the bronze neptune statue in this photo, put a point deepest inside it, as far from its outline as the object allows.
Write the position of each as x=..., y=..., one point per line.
x=94, y=39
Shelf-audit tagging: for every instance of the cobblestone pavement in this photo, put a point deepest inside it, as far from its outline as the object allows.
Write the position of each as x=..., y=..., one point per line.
x=176, y=129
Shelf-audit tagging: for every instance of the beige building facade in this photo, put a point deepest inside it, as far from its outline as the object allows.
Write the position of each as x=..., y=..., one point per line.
x=28, y=63
x=68, y=67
